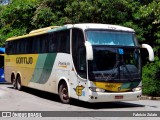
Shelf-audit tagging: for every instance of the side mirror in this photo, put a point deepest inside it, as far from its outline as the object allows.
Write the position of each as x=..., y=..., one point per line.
x=89, y=51
x=150, y=51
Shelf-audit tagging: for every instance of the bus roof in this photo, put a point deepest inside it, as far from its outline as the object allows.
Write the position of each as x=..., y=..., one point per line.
x=83, y=26
x=33, y=33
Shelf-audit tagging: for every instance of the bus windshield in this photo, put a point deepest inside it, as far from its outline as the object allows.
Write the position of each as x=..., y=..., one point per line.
x=104, y=37
x=112, y=63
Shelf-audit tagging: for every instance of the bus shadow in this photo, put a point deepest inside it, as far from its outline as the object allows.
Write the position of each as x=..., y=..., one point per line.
x=41, y=94
x=77, y=103
x=105, y=105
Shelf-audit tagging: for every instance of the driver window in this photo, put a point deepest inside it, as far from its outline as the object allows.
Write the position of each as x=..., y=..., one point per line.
x=79, y=52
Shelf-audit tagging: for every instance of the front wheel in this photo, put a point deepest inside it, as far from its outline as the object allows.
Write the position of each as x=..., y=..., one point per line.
x=63, y=93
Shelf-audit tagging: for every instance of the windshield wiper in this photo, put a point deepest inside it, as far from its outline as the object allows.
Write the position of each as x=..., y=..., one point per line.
x=117, y=66
x=113, y=70
x=129, y=74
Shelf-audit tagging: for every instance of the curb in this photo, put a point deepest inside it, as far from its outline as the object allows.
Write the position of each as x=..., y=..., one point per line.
x=149, y=98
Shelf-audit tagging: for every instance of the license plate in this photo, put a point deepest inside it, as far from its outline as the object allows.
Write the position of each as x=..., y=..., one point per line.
x=119, y=97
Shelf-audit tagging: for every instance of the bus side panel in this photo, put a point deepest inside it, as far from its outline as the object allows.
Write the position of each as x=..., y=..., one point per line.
x=42, y=71
x=65, y=71
x=20, y=64
x=60, y=70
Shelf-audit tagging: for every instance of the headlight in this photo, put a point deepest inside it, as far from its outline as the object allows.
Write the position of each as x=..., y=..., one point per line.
x=94, y=89
x=137, y=89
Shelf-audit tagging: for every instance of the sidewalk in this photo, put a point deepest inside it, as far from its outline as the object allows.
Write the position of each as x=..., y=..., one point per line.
x=149, y=98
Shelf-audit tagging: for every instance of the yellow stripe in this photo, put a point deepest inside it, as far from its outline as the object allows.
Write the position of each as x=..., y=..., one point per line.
x=114, y=87
x=25, y=36
x=33, y=33
x=1, y=54
x=63, y=66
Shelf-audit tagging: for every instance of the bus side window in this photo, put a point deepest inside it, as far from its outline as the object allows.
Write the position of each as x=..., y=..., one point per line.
x=14, y=47
x=10, y=47
x=7, y=48
x=29, y=45
x=63, y=41
x=44, y=43
x=82, y=62
x=52, y=43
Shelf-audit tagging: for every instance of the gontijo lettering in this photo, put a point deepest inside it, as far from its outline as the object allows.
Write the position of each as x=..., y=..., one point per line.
x=24, y=60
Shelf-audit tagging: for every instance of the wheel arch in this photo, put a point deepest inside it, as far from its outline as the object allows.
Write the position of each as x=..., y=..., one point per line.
x=19, y=75
x=13, y=76
x=61, y=80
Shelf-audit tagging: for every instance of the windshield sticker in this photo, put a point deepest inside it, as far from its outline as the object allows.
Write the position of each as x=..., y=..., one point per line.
x=121, y=52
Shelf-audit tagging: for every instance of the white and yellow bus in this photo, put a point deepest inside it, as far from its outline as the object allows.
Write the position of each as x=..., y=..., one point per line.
x=88, y=62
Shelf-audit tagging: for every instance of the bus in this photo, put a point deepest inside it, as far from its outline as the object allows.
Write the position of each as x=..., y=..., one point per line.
x=2, y=51
x=89, y=62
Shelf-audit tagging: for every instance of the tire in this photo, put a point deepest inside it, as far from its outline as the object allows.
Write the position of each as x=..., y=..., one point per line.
x=63, y=93
x=14, y=83
x=18, y=83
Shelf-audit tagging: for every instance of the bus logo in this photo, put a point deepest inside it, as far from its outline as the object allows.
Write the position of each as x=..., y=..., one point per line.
x=79, y=90
x=24, y=60
x=63, y=64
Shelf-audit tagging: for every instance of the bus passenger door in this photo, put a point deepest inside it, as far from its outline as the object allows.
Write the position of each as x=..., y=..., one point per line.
x=78, y=72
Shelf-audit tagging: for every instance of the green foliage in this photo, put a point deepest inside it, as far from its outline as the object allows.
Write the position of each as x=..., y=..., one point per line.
x=44, y=17
x=4, y=2
x=49, y=12
x=17, y=15
x=151, y=78
x=21, y=16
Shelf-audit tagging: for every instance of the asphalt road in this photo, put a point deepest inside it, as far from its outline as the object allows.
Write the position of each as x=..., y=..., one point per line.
x=34, y=100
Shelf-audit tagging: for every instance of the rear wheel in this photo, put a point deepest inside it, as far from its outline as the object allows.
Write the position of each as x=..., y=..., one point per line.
x=63, y=93
x=14, y=83
x=18, y=83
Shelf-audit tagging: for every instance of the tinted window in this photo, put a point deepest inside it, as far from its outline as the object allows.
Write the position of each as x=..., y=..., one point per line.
x=102, y=37
x=52, y=42
x=79, y=52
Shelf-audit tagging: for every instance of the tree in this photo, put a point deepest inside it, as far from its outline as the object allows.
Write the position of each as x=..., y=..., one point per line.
x=149, y=20
x=15, y=18
x=49, y=12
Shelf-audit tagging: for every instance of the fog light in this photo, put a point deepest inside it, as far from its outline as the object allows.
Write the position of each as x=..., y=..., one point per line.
x=91, y=96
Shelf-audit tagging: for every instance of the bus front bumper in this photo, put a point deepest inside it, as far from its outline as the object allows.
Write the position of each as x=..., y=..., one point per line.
x=111, y=97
